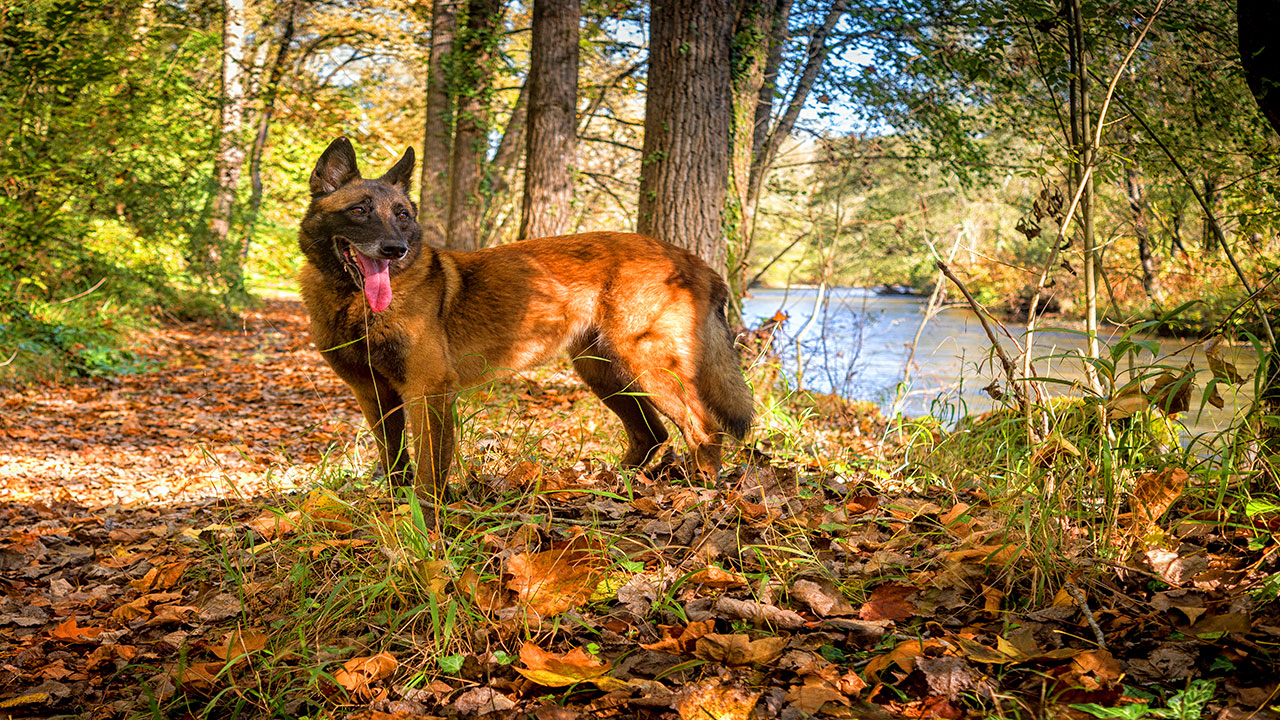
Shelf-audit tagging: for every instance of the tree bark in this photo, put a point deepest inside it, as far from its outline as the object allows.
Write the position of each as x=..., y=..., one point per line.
x=270, y=91
x=433, y=205
x=1137, y=194
x=769, y=88
x=553, y=97
x=472, y=67
x=749, y=58
x=685, y=160
x=211, y=254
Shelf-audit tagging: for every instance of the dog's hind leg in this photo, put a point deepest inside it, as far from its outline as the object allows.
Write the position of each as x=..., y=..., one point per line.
x=625, y=397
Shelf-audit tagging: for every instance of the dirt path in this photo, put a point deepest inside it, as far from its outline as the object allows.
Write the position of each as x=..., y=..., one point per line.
x=228, y=413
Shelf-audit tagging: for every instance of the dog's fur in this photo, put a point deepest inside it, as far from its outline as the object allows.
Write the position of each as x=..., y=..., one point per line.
x=642, y=319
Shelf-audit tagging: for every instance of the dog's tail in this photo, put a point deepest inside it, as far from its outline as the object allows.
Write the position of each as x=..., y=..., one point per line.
x=720, y=383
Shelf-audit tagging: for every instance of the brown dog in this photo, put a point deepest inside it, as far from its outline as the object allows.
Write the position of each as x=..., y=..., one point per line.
x=408, y=326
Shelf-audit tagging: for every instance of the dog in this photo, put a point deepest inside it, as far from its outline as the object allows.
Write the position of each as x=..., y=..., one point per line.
x=407, y=326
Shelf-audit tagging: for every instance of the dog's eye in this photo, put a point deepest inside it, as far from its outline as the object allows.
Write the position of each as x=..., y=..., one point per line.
x=358, y=210
x=403, y=214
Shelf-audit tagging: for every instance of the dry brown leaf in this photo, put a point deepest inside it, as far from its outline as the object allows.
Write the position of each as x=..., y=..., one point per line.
x=888, y=602
x=739, y=649
x=239, y=643
x=759, y=613
x=719, y=578
x=270, y=525
x=1222, y=369
x=560, y=579
x=680, y=639
x=822, y=598
x=813, y=694
x=482, y=701
x=903, y=655
x=202, y=675
x=1154, y=493
x=358, y=675
x=1172, y=393
x=712, y=700
x=488, y=595
x=326, y=510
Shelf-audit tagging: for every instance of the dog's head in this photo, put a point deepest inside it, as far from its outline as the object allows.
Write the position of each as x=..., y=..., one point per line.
x=357, y=230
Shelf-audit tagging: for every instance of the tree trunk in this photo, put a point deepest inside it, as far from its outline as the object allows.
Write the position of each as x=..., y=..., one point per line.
x=1208, y=240
x=685, y=160
x=433, y=205
x=553, y=98
x=274, y=76
x=472, y=67
x=1137, y=194
x=499, y=208
x=210, y=253
x=749, y=58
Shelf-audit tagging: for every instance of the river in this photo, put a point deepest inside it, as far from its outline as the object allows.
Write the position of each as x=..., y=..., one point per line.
x=858, y=344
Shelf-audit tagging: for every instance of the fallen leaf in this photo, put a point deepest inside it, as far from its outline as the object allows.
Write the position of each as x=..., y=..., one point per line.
x=551, y=582
x=822, y=598
x=712, y=700
x=239, y=643
x=719, y=578
x=482, y=701
x=357, y=675
x=680, y=639
x=739, y=649
x=70, y=632
x=558, y=671
x=888, y=602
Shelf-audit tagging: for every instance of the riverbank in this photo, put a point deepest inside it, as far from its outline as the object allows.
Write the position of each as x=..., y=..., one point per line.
x=840, y=566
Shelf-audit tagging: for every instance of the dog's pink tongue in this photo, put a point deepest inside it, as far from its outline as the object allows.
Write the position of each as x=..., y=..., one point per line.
x=377, y=281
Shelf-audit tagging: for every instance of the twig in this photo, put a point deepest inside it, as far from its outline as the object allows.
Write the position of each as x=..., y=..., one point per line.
x=77, y=296
x=1075, y=592
x=1010, y=370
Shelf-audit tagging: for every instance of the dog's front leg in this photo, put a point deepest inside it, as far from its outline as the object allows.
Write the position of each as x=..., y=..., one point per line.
x=432, y=418
x=383, y=409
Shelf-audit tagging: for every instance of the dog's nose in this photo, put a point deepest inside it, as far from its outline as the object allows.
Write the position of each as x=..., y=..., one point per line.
x=394, y=250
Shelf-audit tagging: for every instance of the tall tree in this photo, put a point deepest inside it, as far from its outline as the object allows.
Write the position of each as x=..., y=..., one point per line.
x=437, y=146
x=210, y=252
x=270, y=91
x=751, y=54
x=472, y=68
x=685, y=159
x=552, y=125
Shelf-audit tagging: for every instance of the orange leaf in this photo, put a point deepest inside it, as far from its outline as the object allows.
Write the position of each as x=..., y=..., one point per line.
x=710, y=699
x=71, y=632
x=239, y=643
x=556, y=580
x=569, y=669
x=679, y=640
x=719, y=578
x=358, y=674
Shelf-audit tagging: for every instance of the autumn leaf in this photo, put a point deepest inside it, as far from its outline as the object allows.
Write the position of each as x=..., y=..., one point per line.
x=324, y=509
x=270, y=525
x=574, y=667
x=680, y=639
x=888, y=602
x=556, y=580
x=719, y=578
x=713, y=700
x=71, y=632
x=237, y=644
x=358, y=675
x=739, y=649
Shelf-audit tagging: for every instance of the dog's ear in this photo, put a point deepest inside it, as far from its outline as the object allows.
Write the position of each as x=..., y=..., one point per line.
x=401, y=174
x=335, y=168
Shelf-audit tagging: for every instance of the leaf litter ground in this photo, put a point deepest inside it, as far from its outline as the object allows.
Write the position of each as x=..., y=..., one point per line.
x=199, y=541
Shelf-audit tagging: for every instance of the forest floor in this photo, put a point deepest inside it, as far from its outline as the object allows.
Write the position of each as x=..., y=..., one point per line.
x=203, y=540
